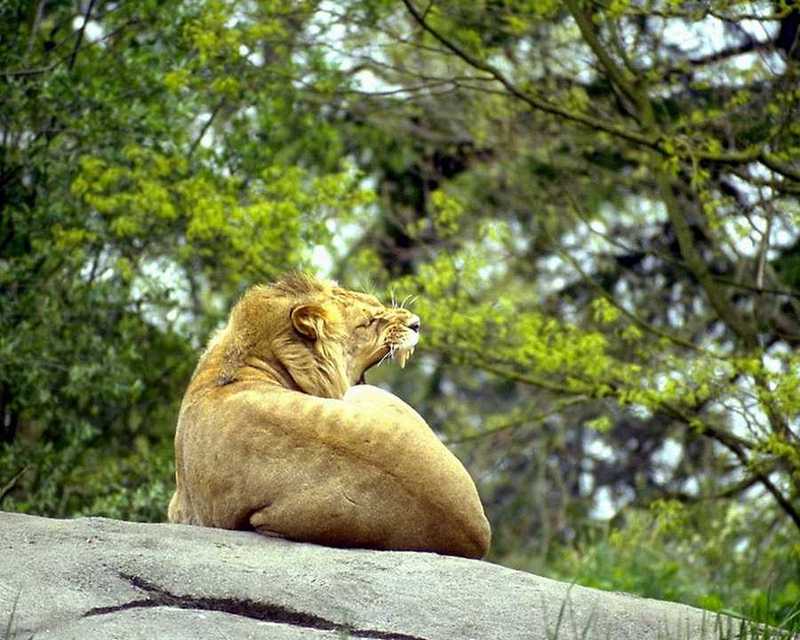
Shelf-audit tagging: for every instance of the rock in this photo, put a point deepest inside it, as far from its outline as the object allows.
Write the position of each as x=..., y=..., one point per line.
x=97, y=578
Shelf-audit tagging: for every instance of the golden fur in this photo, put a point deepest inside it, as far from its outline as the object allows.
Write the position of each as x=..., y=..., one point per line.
x=274, y=436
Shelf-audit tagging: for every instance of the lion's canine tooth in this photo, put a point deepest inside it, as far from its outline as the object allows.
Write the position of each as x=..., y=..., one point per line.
x=402, y=357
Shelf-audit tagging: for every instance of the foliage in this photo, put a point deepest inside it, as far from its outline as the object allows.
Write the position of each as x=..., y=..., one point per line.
x=594, y=205
x=128, y=224
x=663, y=554
x=617, y=279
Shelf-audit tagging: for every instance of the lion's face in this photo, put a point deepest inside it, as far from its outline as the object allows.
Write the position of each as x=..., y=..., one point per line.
x=375, y=333
x=323, y=336
x=355, y=331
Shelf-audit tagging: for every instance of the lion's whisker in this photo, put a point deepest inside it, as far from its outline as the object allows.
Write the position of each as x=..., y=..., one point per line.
x=387, y=355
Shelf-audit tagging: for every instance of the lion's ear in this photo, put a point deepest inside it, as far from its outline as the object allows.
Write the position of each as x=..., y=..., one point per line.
x=309, y=320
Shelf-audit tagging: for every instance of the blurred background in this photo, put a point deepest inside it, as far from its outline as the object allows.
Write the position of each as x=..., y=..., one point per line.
x=593, y=203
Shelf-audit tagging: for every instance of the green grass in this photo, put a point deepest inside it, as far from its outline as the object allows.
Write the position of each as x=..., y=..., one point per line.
x=716, y=558
x=714, y=626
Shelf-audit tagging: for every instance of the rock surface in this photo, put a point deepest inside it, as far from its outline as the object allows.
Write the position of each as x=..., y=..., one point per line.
x=97, y=578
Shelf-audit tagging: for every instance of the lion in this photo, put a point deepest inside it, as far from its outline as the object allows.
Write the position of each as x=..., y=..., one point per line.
x=279, y=433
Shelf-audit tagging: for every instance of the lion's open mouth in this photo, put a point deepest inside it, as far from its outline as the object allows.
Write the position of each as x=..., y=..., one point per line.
x=400, y=354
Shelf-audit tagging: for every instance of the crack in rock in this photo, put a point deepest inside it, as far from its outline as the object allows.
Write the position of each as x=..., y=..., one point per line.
x=263, y=611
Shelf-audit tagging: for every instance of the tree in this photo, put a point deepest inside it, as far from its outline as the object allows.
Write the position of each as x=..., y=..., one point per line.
x=154, y=162
x=595, y=205
x=617, y=258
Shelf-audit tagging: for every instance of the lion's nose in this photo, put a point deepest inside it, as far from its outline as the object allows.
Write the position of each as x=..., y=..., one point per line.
x=413, y=324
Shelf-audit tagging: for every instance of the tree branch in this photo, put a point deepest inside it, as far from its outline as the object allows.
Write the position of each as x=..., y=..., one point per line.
x=718, y=56
x=624, y=82
x=771, y=162
x=730, y=316
x=656, y=143
x=513, y=424
x=735, y=446
x=533, y=101
x=9, y=486
x=205, y=127
x=79, y=38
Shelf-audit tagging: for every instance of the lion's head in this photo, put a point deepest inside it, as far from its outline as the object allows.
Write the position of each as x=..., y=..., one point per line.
x=313, y=335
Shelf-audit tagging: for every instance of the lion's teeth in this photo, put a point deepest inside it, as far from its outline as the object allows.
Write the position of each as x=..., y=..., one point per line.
x=403, y=355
